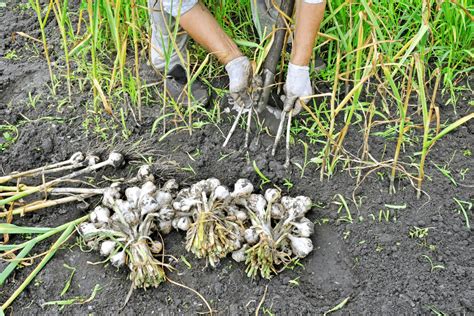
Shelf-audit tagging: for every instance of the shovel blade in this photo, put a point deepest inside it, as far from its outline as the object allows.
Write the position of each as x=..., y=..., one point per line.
x=270, y=117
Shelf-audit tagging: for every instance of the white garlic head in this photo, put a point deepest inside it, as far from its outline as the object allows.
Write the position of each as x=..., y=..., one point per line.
x=303, y=228
x=116, y=159
x=100, y=215
x=118, y=259
x=277, y=211
x=170, y=185
x=156, y=246
x=133, y=195
x=242, y=187
x=77, y=157
x=272, y=195
x=257, y=203
x=92, y=160
x=148, y=204
x=111, y=194
x=87, y=229
x=163, y=198
x=144, y=173
x=239, y=255
x=165, y=227
x=148, y=188
x=221, y=193
x=183, y=223
x=300, y=246
x=107, y=247
x=251, y=236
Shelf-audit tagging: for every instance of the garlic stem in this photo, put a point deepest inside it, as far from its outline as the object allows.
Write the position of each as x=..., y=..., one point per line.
x=75, y=159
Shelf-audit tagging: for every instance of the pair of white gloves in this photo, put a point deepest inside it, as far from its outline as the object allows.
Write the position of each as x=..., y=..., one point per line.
x=297, y=84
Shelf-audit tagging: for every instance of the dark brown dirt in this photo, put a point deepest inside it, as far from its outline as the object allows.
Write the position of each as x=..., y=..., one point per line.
x=374, y=263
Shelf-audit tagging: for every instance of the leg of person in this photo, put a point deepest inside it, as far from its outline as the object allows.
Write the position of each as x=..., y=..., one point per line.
x=167, y=37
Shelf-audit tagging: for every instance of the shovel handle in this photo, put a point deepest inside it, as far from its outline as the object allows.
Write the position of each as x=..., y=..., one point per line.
x=271, y=61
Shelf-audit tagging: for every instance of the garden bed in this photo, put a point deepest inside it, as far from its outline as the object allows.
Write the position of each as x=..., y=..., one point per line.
x=377, y=259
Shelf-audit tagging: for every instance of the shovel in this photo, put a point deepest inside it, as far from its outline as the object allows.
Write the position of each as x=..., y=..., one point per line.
x=272, y=116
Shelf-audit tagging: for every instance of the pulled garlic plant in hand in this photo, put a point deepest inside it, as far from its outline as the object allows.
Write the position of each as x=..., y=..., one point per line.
x=279, y=232
x=213, y=223
x=123, y=226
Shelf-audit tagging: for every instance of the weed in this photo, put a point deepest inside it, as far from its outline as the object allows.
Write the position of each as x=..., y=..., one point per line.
x=288, y=184
x=11, y=55
x=69, y=279
x=463, y=173
x=338, y=306
x=420, y=233
x=343, y=206
x=263, y=178
x=190, y=169
x=306, y=162
x=444, y=170
x=464, y=208
x=186, y=262
x=435, y=310
x=33, y=100
x=75, y=300
x=433, y=266
x=8, y=136
x=295, y=281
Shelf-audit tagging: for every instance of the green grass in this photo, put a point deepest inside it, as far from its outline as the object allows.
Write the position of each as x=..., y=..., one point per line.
x=8, y=136
x=378, y=55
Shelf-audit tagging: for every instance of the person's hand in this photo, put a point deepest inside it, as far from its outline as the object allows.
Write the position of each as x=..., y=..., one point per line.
x=239, y=71
x=297, y=85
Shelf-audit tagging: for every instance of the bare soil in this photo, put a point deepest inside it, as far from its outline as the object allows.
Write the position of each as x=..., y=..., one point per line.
x=372, y=262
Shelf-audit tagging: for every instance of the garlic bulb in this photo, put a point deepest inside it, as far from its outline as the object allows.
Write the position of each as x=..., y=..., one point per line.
x=242, y=187
x=92, y=160
x=303, y=228
x=166, y=214
x=277, y=211
x=183, y=223
x=156, y=247
x=110, y=195
x=87, y=229
x=77, y=157
x=116, y=159
x=133, y=195
x=148, y=204
x=300, y=246
x=302, y=204
x=107, y=247
x=170, y=185
x=165, y=227
x=221, y=193
x=148, y=188
x=118, y=259
x=241, y=215
x=257, y=203
x=144, y=173
x=100, y=215
x=239, y=255
x=251, y=236
x=163, y=198
x=271, y=195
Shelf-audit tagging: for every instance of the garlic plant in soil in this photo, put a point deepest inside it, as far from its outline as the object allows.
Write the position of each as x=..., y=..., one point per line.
x=124, y=225
x=278, y=234
x=213, y=223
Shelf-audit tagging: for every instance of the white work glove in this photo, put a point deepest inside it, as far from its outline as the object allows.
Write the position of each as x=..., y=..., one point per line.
x=297, y=85
x=239, y=71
